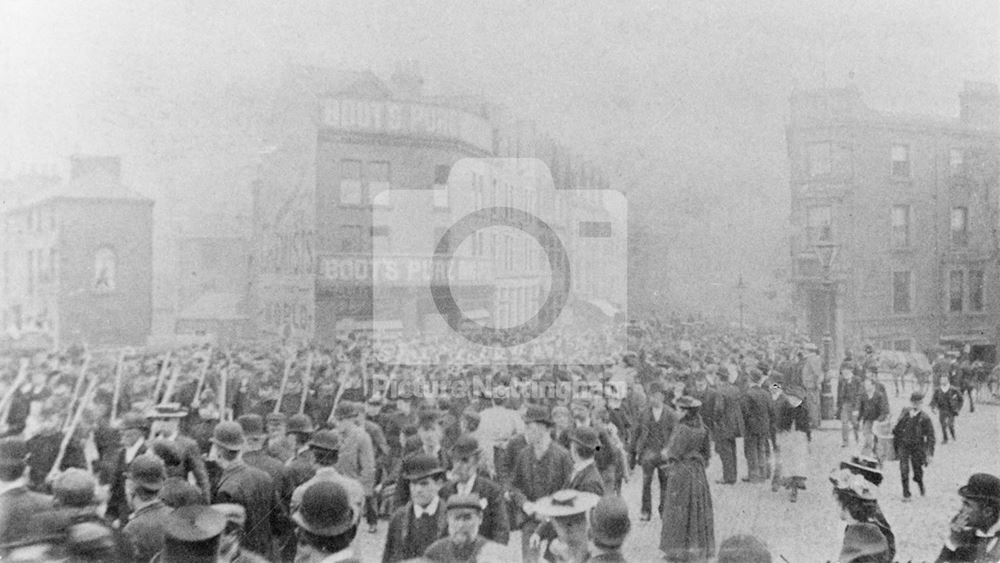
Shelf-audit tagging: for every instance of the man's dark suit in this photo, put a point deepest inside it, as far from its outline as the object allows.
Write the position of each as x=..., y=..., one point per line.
x=118, y=508
x=399, y=546
x=757, y=432
x=495, y=525
x=727, y=425
x=651, y=440
x=252, y=489
x=145, y=530
x=588, y=480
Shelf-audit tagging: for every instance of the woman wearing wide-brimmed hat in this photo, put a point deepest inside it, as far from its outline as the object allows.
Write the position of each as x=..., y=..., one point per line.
x=688, y=532
x=864, y=541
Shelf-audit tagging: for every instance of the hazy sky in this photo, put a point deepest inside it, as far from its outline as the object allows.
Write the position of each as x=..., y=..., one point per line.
x=685, y=101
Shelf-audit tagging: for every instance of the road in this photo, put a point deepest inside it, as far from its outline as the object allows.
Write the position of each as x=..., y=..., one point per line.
x=810, y=530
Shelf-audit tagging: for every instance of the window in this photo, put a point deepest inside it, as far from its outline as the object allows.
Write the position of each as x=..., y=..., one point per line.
x=818, y=224
x=956, y=283
x=901, y=292
x=959, y=226
x=900, y=226
x=378, y=178
x=441, y=173
x=956, y=157
x=350, y=238
x=350, y=182
x=819, y=159
x=900, y=161
x=976, y=291
x=105, y=264
x=53, y=263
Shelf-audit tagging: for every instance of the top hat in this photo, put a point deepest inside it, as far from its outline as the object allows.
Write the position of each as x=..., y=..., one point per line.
x=982, y=486
x=866, y=466
x=252, y=424
x=471, y=500
x=325, y=440
x=539, y=414
x=166, y=410
x=420, y=466
x=325, y=510
x=609, y=522
x=566, y=502
x=300, y=423
x=228, y=435
x=13, y=452
x=465, y=446
x=586, y=437
x=191, y=534
x=686, y=402
x=148, y=472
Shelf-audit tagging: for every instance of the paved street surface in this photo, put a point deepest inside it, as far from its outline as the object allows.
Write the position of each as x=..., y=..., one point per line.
x=810, y=530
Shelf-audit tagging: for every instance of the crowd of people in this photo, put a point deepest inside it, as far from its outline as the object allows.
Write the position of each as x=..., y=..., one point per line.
x=286, y=453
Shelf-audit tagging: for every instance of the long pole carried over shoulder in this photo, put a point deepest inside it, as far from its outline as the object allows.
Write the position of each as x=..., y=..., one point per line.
x=341, y=387
x=77, y=388
x=284, y=384
x=306, y=382
x=201, y=377
x=69, y=432
x=169, y=393
x=118, y=384
x=160, y=377
x=224, y=376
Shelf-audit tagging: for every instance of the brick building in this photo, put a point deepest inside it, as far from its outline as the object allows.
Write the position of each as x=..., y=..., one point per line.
x=904, y=209
x=77, y=260
x=323, y=234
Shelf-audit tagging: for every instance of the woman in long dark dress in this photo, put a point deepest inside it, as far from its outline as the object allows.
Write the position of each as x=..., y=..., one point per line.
x=688, y=532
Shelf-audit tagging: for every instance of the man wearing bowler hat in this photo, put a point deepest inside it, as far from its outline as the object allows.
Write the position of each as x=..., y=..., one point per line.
x=465, y=457
x=422, y=520
x=300, y=465
x=609, y=526
x=542, y=468
x=325, y=446
x=145, y=528
x=357, y=453
x=975, y=530
x=326, y=525
x=463, y=543
x=246, y=486
x=913, y=438
x=656, y=424
x=193, y=534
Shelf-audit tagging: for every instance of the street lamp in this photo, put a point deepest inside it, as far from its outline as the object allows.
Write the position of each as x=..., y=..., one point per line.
x=826, y=251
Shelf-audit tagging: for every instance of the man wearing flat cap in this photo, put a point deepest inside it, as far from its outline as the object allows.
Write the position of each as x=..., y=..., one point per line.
x=913, y=438
x=357, y=452
x=975, y=530
x=465, y=459
x=246, y=486
x=463, y=543
x=421, y=521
